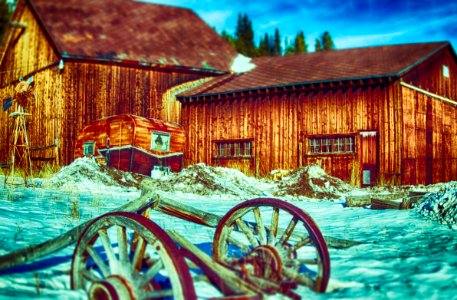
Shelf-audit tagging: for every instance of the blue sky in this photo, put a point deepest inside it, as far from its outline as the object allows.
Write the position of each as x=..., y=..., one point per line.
x=351, y=23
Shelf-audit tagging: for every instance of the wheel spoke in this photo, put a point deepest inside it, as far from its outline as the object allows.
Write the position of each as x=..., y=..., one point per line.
x=112, y=260
x=139, y=254
x=300, y=278
x=247, y=231
x=149, y=275
x=303, y=242
x=98, y=261
x=91, y=276
x=238, y=244
x=298, y=262
x=274, y=226
x=286, y=235
x=158, y=294
x=122, y=246
x=260, y=228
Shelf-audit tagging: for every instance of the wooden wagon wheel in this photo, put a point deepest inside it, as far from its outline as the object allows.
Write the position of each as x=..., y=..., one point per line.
x=127, y=256
x=249, y=239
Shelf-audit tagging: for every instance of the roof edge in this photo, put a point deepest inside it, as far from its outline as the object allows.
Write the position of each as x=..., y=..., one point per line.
x=386, y=76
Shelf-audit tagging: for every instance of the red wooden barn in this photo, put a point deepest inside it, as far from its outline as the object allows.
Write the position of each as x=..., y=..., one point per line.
x=377, y=115
x=94, y=59
x=133, y=143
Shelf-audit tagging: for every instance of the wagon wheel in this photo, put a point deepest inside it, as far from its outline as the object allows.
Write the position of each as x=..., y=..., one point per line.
x=127, y=256
x=250, y=240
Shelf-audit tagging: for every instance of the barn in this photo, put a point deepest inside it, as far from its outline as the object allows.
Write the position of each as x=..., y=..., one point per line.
x=376, y=115
x=93, y=59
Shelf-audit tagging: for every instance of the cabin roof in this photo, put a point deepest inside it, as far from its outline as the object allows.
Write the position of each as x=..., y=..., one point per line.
x=131, y=31
x=321, y=67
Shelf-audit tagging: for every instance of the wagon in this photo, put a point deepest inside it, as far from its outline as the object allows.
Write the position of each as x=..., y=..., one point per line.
x=262, y=246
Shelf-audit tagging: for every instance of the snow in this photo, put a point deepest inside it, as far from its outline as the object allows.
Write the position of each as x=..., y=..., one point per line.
x=242, y=64
x=403, y=253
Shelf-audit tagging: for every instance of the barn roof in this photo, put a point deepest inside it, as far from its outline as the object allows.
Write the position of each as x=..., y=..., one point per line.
x=321, y=67
x=131, y=31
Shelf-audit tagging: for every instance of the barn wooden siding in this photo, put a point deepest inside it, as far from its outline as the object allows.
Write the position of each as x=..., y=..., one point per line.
x=415, y=133
x=430, y=124
x=67, y=100
x=280, y=121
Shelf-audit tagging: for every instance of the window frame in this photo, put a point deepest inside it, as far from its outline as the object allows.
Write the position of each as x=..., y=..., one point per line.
x=233, y=149
x=342, y=144
x=86, y=147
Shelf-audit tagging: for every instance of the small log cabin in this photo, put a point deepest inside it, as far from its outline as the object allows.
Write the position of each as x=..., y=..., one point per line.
x=377, y=115
x=133, y=143
x=93, y=59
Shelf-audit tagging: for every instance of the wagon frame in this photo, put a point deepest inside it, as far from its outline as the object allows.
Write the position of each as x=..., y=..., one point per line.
x=125, y=264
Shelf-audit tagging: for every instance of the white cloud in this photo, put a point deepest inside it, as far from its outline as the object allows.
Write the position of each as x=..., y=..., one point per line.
x=217, y=18
x=366, y=40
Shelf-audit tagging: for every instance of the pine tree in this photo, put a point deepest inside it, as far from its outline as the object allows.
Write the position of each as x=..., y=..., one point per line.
x=244, y=43
x=290, y=49
x=264, y=46
x=327, y=42
x=228, y=37
x=277, y=50
x=318, y=45
x=300, y=45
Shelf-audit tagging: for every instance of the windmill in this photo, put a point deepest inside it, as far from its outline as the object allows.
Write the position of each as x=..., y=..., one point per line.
x=20, y=149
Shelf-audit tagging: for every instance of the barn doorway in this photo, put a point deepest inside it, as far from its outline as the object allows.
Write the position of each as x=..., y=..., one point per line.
x=368, y=157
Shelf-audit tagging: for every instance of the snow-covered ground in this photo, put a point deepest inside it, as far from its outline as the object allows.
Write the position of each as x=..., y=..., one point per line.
x=409, y=254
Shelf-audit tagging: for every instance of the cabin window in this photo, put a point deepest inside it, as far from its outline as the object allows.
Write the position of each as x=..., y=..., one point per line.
x=160, y=141
x=445, y=71
x=89, y=148
x=234, y=149
x=329, y=145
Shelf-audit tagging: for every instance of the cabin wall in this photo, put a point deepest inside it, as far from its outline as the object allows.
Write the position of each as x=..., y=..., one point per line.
x=28, y=53
x=430, y=124
x=280, y=123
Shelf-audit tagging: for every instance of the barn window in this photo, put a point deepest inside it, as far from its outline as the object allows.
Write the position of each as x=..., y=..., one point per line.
x=328, y=145
x=89, y=148
x=233, y=149
x=445, y=71
x=160, y=141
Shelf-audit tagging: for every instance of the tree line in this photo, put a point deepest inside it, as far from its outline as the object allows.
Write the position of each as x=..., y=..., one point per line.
x=270, y=44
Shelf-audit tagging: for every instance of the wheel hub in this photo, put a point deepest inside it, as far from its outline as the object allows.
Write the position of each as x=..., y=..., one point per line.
x=263, y=261
x=113, y=288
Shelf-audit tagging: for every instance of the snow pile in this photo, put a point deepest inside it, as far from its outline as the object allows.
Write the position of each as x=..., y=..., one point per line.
x=86, y=174
x=312, y=182
x=242, y=64
x=440, y=206
x=206, y=180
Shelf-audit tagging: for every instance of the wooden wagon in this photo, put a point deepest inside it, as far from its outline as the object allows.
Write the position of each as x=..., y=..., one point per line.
x=261, y=246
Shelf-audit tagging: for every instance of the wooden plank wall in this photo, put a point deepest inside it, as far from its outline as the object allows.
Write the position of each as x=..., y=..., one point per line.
x=278, y=123
x=27, y=53
x=430, y=125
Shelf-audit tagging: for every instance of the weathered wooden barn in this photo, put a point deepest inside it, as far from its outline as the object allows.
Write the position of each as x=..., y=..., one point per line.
x=95, y=58
x=367, y=115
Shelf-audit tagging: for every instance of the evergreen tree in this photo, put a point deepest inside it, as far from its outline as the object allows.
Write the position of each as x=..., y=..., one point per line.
x=5, y=15
x=244, y=43
x=290, y=49
x=318, y=45
x=300, y=45
x=229, y=38
x=264, y=46
x=327, y=42
x=277, y=50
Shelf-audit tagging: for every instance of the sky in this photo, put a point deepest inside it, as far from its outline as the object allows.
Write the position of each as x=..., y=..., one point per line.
x=351, y=23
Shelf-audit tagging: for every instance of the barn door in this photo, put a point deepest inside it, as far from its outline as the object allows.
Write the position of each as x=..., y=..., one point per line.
x=369, y=157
